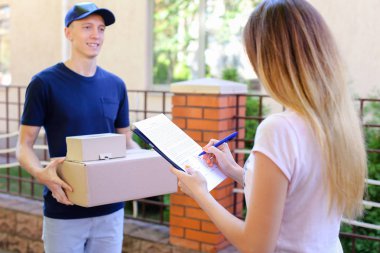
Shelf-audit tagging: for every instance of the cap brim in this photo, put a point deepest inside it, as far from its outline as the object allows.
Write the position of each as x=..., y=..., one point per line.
x=107, y=16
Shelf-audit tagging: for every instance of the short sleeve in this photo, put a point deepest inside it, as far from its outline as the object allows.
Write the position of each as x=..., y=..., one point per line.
x=35, y=106
x=276, y=139
x=122, y=119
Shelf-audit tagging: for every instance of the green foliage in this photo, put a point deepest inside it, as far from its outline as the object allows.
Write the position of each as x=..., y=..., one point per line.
x=253, y=110
x=139, y=141
x=251, y=125
x=172, y=37
x=208, y=71
x=181, y=73
x=230, y=74
x=371, y=214
x=176, y=36
x=160, y=72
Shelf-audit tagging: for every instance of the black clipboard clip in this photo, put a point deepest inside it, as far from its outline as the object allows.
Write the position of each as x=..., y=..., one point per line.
x=151, y=144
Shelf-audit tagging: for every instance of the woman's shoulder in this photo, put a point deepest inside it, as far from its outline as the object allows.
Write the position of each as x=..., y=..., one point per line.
x=287, y=127
x=282, y=121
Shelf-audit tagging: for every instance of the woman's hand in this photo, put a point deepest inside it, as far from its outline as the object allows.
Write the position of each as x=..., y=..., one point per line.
x=192, y=183
x=222, y=157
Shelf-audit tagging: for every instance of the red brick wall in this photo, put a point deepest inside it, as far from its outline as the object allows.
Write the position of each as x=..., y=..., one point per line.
x=204, y=117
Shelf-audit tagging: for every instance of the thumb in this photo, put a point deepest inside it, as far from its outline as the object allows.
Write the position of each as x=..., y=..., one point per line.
x=190, y=170
x=175, y=171
x=61, y=159
x=58, y=160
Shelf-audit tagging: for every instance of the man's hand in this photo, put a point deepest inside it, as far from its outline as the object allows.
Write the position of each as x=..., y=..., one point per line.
x=49, y=177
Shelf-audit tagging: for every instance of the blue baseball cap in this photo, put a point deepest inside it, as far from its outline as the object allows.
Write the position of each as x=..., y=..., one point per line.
x=83, y=10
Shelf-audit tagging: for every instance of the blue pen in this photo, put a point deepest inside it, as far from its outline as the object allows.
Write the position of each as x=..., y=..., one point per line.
x=228, y=138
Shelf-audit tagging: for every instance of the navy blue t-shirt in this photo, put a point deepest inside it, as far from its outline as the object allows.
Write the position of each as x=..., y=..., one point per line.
x=68, y=104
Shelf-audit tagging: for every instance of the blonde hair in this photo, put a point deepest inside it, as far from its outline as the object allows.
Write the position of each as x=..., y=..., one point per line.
x=296, y=59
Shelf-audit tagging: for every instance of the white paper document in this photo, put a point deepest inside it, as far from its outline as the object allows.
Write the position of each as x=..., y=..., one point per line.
x=170, y=141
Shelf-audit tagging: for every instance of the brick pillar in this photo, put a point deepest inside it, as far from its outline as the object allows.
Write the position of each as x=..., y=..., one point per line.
x=205, y=109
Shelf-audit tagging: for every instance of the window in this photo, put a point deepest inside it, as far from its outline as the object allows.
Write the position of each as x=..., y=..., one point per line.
x=5, y=76
x=200, y=38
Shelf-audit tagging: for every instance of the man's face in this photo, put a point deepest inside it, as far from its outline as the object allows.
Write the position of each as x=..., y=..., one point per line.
x=87, y=35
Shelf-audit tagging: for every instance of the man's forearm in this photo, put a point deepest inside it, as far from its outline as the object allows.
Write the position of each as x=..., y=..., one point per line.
x=28, y=160
x=131, y=144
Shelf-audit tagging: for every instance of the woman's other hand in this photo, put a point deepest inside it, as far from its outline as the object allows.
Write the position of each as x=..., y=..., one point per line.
x=192, y=183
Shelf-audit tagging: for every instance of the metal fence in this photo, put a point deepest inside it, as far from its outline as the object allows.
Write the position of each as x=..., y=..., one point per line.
x=16, y=181
x=143, y=104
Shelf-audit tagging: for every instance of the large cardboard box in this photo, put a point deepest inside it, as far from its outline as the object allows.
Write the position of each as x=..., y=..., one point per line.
x=95, y=147
x=140, y=174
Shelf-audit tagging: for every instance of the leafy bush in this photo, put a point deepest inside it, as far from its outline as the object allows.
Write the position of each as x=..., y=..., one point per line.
x=181, y=73
x=252, y=109
x=160, y=73
x=140, y=142
x=371, y=214
x=230, y=74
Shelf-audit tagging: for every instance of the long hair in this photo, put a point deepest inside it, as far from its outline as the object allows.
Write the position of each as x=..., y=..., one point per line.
x=296, y=59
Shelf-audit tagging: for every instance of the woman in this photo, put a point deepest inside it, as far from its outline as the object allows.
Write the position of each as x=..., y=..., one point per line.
x=308, y=165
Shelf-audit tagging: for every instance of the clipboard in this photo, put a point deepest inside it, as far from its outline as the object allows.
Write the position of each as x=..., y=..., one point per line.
x=176, y=147
x=151, y=144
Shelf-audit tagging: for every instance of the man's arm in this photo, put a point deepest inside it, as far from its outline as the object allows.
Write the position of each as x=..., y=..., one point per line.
x=24, y=150
x=30, y=162
x=130, y=143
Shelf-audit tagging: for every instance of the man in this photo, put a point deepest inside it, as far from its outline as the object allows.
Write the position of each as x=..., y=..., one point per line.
x=75, y=98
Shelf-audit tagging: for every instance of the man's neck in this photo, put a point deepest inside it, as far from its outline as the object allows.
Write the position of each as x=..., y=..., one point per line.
x=84, y=67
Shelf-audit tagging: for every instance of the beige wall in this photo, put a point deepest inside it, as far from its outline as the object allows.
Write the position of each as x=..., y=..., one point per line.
x=127, y=50
x=127, y=47
x=356, y=27
x=37, y=39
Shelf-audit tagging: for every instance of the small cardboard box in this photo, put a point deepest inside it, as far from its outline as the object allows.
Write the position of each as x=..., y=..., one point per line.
x=95, y=147
x=140, y=174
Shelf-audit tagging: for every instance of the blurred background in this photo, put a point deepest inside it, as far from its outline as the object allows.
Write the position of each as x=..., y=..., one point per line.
x=155, y=43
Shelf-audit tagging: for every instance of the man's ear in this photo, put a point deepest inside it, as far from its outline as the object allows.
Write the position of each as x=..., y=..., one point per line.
x=68, y=33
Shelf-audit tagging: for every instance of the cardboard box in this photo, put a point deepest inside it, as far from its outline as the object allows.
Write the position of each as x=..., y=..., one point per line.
x=95, y=147
x=140, y=174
